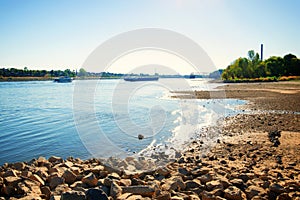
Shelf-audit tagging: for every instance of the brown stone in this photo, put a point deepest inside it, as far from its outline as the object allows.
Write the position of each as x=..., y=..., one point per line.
x=46, y=191
x=19, y=166
x=26, y=174
x=69, y=176
x=10, y=173
x=12, y=181
x=192, y=184
x=212, y=185
x=174, y=183
x=125, y=182
x=37, y=178
x=55, y=159
x=163, y=195
x=90, y=180
x=253, y=190
x=234, y=193
x=115, y=190
x=55, y=181
x=142, y=190
x=163, y=171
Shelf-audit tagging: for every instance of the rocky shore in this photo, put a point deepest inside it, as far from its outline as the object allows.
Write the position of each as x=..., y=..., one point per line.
x=258, y=157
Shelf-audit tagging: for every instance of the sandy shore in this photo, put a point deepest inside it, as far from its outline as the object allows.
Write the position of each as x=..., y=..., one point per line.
x=258, y=157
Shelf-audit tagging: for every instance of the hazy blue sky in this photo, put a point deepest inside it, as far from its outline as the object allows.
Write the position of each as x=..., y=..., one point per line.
x=60, y=34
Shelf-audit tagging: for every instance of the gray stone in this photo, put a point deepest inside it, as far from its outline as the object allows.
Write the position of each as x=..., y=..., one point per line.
x=55, y=181
x=73, y=195
x=275, y=187
x=192, y=184
x=95, y=194
x=19, y=166
x=115, y=190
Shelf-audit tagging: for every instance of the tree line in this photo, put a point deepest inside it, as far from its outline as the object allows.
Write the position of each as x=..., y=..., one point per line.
x=13, y=72
x=253, y=67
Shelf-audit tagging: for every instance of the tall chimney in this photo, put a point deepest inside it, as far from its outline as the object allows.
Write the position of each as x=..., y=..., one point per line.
x=261, y=51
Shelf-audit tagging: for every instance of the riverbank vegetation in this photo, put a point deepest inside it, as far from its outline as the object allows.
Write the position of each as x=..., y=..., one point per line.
x=253, y=69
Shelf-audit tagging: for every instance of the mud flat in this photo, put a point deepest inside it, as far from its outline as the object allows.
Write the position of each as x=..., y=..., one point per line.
x=258, y=157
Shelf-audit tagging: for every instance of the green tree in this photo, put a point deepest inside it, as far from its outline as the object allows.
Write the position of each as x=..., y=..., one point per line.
x=82, y=72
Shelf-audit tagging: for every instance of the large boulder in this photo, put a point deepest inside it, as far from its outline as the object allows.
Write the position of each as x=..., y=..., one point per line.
x=95, y=194
x=90, y=180
x=73, y=195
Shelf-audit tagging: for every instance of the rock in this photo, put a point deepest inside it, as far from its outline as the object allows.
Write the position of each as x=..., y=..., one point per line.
x=201, y=171
x=274, y=137
x=41, y=161
x=69, y=176
x=55, y=159
x=55, y=197
x=135, y=197
x=275, y=187
x=73, y=195
x=95, y=194
x=162, y=195
x=284, y=196
x=253, y=190
x=163, y=171
x=114, y=176
x=212, y=185
x=107, y=182
x=192, y=184
x=55, y=181
x=10, y=173
x=115, y=190
x=205, y=178
x=142, y=190
x=174, y=183
x=244, y=177
x=193, y=197
x=26, y=174
x=38, y=179
x=238, y=183
x=234, y=193
x=125, y=182
x=110, y=170
x=124, y=196
x=140, y=136
x=46, y=191
x=207, y=196
x=90, y=180
x=61, y=189
x=12, y=181
x=19, y=166
x=97, y=169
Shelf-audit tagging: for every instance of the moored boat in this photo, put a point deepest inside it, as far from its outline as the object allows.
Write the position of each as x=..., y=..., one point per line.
x=63, y=79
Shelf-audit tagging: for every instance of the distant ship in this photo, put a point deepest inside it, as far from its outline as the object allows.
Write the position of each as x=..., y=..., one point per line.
x=63, y=79
x=192, y=76
x=141, y=78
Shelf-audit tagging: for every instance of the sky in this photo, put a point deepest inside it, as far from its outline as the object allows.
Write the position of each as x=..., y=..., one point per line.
x=61, y=34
